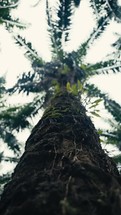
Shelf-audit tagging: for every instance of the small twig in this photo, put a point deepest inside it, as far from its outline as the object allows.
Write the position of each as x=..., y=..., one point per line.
x=34, y=5
x=13, y=23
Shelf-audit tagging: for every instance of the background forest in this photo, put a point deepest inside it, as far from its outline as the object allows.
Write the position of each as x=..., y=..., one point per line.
x=44, y=44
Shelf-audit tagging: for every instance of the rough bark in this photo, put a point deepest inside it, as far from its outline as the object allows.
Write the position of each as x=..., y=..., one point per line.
x=64, y=170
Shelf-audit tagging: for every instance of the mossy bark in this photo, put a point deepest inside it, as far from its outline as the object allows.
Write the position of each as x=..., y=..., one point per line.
x=64, y=170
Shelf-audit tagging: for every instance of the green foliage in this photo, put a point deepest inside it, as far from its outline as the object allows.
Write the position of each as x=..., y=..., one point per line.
x=95, y=103
x=5, y=7
x=117, y=159
x=111, y=8
x=30, y=53
x=7, y=135
x=16, y=117
x=95, y=113
x=60, y=27
x=117, y=49
x=77, y=3
x=54, y=33
x=64, y=14
x=104, y=67
x=97, y=31
x=93, y=91
x=75, y=89
x=6, y=18
x=114, y=108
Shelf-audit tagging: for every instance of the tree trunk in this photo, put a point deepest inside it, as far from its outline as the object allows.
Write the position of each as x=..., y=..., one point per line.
x=64, y=170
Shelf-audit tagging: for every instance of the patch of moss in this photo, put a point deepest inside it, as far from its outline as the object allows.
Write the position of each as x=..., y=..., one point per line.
x=52, y=113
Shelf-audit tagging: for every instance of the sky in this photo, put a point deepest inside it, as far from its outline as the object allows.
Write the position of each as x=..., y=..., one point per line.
x=13, y=62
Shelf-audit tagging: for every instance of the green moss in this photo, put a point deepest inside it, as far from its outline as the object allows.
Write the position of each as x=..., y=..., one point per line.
x=52, y=112
x=63, y=103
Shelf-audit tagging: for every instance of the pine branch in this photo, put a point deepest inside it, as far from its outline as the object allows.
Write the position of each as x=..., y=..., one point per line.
x=94, y=91
x=32, y=53
x=114, y=108
x=102, y=24
x=115, y=8
x=108, y=6
x=14, y=23
x=64, y=15
x=10, y=5
x=93, y=6
x=55, y=40
x=59, y=28
x=103, y=68
x=84, y=47
x=114, y=68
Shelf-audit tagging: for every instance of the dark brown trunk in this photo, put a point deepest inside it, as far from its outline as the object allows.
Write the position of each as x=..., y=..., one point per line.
x=64, y=170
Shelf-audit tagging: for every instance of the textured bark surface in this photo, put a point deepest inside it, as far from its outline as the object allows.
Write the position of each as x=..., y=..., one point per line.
x=64, y=170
